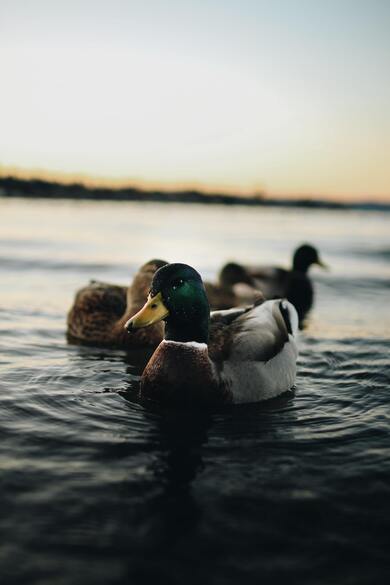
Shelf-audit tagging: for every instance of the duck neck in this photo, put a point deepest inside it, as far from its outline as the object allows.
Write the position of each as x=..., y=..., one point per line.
x=185, y=332
x=300, y=265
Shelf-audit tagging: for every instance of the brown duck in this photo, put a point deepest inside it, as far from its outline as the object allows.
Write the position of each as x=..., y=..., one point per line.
x=235, y=288
x=100, y=311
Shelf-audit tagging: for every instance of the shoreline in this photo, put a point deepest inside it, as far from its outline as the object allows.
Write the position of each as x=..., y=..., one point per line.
x=42, y=189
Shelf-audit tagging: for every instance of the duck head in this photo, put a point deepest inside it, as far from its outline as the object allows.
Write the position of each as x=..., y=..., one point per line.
x=178, y=297
x=233, y=273
x=305, y=256
x=138, y=290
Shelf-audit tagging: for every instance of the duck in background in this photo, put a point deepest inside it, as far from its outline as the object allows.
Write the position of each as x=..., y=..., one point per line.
x=100, y=311
x=235, y=288
x=238, y=355
x=293, y=284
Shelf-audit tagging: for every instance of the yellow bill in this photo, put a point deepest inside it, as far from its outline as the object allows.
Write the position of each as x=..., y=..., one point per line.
x=322, y=264
x=152, y=312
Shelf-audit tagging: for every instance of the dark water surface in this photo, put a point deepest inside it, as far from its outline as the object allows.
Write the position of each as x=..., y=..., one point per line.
x=98, y=488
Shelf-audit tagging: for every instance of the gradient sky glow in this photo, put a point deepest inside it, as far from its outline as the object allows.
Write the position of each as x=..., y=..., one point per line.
x=290, y=96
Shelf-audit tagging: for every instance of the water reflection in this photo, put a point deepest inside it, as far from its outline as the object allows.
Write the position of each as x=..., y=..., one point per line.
x=173, y=515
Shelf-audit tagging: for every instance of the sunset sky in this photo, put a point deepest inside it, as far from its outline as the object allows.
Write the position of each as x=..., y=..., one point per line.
x=289, y=96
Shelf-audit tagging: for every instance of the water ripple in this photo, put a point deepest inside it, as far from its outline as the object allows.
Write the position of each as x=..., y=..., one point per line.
x=99, y=487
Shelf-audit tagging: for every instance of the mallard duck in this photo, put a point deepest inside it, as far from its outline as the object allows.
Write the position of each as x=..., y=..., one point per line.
x=294, y=284
x=238, y=355
x=100, y=311
x=235, y=288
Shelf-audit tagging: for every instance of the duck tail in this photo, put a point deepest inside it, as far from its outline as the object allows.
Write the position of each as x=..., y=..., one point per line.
x=290, y=316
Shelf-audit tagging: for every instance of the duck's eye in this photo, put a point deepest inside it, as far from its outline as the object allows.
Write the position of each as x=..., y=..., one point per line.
x=178, y=283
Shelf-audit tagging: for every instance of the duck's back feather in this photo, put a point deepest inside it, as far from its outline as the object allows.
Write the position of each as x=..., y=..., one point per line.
x=257, y=359
x=95, y=309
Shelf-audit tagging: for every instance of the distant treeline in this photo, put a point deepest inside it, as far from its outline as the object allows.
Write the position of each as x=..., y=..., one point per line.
x=39, y=188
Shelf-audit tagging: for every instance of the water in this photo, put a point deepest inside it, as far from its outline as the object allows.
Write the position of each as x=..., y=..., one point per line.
x=98, y=488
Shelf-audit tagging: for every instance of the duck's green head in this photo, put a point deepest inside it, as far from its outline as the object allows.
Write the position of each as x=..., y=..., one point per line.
x=305, y=256
x=178, y=297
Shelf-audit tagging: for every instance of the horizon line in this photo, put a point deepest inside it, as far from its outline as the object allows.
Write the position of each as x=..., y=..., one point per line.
x=116, y=183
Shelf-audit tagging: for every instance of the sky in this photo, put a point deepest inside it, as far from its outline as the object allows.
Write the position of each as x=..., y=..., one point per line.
x=289, y=97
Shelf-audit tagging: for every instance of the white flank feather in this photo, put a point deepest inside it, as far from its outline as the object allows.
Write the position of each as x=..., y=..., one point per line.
x=249, y=374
